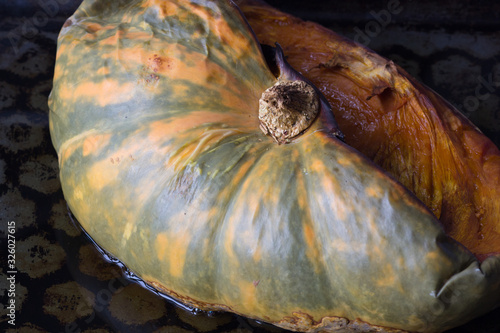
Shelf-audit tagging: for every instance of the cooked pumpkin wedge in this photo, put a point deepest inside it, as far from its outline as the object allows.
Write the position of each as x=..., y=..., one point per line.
x=163, y=159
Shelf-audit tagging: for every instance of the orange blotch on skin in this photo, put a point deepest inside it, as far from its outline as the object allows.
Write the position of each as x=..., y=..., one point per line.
x=370, y=221
x=344, y=161
x=104, y=71
x=257, y=255
x=434, y=260
x=431, y=256
x=76, y=200
x=169, y=128
x=92, y=27
x=243, y=169
x=172, y=250
x=165, y=8
x=312, y=251
x=178, y=257
x=146, y=189
x=161, y=246
x=374, y=191
x=62, y=49
x=180, y=90
x=332, y=188
x=110, y=218
x=301, y=193
x=217, y=24
x=388, y=279
x=199, y=70
x=308, y=234
x=229, y=243
x=102, y=174
x=248, y=295
x=104, y=93
x=65, y=154
x=94, y=144
x=240, y=45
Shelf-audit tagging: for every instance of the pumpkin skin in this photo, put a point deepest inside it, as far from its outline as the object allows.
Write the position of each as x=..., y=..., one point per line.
x=154, y=116
x=404, y=127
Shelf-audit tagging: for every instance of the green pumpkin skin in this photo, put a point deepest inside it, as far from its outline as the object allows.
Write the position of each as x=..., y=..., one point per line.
x=154, y=116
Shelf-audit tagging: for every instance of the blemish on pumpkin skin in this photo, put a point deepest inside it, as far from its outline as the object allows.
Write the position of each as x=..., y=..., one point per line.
x=156, y=63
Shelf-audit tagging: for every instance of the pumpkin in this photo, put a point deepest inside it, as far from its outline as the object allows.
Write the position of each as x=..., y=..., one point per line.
x=179, y=153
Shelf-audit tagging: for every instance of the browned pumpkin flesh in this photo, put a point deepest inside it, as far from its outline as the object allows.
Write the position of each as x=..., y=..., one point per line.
x=401, y=125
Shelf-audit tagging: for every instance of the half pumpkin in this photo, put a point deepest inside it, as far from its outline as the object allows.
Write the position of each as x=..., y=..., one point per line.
x=154, y=114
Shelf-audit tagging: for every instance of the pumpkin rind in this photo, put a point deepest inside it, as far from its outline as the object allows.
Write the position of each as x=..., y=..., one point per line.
x=154, y=116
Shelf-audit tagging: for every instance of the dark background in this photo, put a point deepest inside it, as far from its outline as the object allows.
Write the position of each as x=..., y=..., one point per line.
x=63, y=283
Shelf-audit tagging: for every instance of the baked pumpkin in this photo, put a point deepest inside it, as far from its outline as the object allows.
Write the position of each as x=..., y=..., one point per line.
x=179, y=154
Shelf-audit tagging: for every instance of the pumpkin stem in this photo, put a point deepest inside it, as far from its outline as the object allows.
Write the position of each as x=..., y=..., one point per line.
x=292, y=104
x=287, y=109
